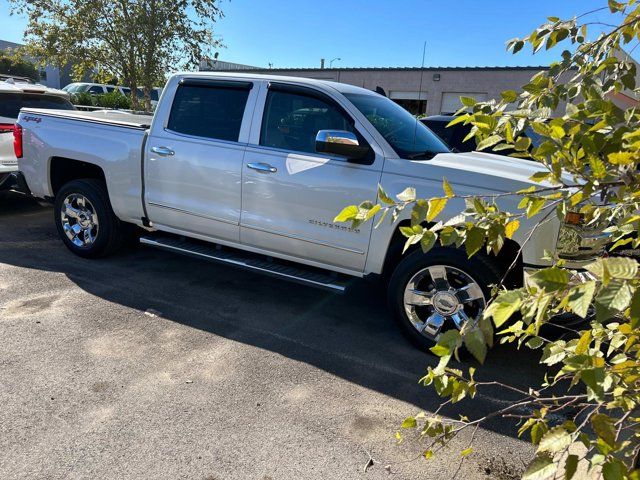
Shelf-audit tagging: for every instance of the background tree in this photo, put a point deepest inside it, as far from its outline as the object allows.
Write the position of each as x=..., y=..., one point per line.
x=589, y=152
x=14, y=63
x=137, y=41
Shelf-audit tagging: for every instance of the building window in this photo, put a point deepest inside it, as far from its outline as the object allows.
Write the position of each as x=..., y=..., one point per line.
x=415, y=107
x=414, y=102
x=43, y=75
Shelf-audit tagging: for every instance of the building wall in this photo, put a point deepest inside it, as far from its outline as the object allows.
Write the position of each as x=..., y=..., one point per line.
x=49, y=74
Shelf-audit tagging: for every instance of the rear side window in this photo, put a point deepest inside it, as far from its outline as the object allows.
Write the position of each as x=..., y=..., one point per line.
x=11, y=103
x=209, y=111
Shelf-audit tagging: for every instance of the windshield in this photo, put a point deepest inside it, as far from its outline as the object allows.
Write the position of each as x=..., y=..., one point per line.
x=408, y=137
x=11, y=103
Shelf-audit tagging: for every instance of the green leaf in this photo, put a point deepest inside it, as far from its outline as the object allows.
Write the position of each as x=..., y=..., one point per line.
x=570, y=466
x=582, y=346
x=428, y=240
x=535, y=342
x=407, y=195
x=604, y=427
x=474, y=240
x=468, y=101
x=509, y=96
x=537, y=432
x=428, y=454
x=475, y=342
x=621, y=267
x=535, y=205
x=503, y=306
x=409, y=422
x=383, y=197
x=551, y=279
x=412, y=240
x=593, y=378
x=347, y=213
x=540, y=176
x=523, y=143
x=372, y=212
x=613, y=470
x=614, y=297
x=542, y=467
x=436, y=205
x=554, y=352
x=555, y=440
x=489, y=142
x=419, y=212
x=580, y=298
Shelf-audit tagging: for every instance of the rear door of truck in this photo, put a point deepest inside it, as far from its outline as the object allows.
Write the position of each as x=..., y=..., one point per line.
x=193, y=157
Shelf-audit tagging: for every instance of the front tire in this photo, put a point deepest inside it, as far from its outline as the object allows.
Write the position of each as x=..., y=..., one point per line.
x=85, y=220
x=431, y=293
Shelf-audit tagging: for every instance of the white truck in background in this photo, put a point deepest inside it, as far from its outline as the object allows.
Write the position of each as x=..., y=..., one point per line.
x=250, y=170
x=14, y=95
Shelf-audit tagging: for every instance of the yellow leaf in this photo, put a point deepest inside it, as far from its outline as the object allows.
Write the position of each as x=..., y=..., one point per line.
x=511, y=228
x=436, y=205
x=448, y=191
x=621, y=158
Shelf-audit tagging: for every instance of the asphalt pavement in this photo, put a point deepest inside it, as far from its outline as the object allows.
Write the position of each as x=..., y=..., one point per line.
x=152, y=365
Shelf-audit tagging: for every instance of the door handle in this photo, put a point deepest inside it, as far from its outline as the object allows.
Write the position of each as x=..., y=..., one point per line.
x=164, y=151
x=262, y=167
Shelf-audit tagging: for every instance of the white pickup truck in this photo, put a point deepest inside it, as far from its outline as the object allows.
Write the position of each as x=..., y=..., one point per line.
x=251, y=170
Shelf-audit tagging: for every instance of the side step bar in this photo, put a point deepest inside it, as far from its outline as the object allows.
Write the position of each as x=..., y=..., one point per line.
x=305, y=275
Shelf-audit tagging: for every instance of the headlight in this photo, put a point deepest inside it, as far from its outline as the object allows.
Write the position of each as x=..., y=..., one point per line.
x=577, y=243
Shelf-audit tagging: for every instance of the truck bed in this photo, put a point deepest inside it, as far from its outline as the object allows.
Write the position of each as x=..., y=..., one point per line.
x=108, y=117
x=109, y=140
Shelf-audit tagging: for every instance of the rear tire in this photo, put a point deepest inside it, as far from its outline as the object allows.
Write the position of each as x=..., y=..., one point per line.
x=431, y=293
x=85, y=220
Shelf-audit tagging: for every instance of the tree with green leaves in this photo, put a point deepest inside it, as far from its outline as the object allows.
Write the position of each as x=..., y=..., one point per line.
x=136, y=41
x=586, y=410
x=13, y=62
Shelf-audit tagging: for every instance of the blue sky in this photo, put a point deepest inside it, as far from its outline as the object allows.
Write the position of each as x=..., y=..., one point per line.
x=297, y=33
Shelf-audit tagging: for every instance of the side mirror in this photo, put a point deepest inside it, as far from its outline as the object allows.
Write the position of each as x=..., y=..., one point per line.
x=341, y=142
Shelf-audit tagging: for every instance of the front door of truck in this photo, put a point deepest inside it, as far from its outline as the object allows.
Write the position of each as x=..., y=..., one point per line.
x=193, y=163
x=291, y=194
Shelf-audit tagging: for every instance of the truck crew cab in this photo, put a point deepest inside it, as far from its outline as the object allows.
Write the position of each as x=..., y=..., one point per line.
x=251, y=170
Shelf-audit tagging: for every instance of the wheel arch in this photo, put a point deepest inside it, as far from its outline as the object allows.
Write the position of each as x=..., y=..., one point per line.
x=509, y=259
x=63, y=170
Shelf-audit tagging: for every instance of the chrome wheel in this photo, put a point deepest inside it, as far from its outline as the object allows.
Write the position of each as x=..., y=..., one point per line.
x=79, y=220
x=441, y=297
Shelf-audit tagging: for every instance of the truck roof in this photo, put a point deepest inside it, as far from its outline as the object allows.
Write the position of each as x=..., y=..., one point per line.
x=341, y=87
x=16, y=86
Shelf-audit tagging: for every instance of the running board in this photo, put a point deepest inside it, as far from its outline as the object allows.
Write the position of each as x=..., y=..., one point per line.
x=294, y=272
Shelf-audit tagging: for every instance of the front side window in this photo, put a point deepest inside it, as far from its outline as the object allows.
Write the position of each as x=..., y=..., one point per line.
x=292, y=121
x=208, y=111
x=11, y=103
x=408, y=137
